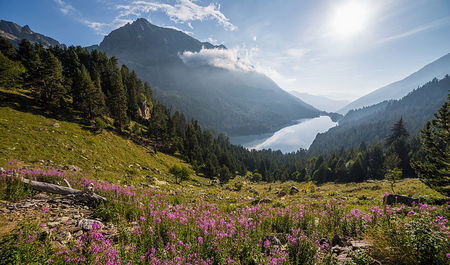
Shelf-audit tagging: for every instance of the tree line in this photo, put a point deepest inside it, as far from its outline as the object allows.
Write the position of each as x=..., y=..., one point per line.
x=93, y=86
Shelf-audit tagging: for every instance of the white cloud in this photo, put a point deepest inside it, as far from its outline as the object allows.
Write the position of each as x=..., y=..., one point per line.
x=238, y=59
x=175, y=28
x=64, y=7
x=221, y=58
x=68, y=9
x=180, y=12
x=433, y=24
x=213, y=41
x=98, y=27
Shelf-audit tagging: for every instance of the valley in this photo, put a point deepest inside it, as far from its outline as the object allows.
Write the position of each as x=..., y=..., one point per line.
x=192, y=132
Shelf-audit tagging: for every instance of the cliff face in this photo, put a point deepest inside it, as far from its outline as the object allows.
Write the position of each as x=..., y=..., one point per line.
x=15, y=33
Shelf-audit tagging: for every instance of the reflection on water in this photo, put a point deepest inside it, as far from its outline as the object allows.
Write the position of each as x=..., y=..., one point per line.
x=290, y=138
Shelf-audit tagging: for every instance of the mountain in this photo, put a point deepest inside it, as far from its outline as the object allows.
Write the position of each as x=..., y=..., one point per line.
x=234, y=101
x=437, y=69
x=15, y=33
x=372, y=124
x=320, y=102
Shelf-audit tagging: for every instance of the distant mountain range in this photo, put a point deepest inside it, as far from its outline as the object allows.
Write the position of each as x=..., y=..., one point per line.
x=372, y=124
x=237, y=101
x=437, y=69
x=15, y=33
x=321, y=102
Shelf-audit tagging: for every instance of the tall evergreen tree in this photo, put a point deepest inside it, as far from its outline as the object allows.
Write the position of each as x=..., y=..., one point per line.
x=434, y=169
x=10, y=72
x=397, y=144
x=32, y=62
x=51, y=91
x=117, y=98
x=397, y=131
x=87, y=98
x=7, y=49
x=130, y=83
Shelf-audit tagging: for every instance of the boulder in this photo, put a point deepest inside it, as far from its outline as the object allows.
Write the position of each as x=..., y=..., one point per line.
x=281, y=193
x=293, y=190
x=86, y=224
x=400, y=199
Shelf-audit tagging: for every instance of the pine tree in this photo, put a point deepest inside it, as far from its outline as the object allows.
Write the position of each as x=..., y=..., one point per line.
x=32, y=63
x=224, y=174
x=10, y=72
x=87, y=98
x=7, y=49
x=117, y=98
x=397, y=131
x=51, y=91
x=434, y=168
x=397, y=144
x=130, y=82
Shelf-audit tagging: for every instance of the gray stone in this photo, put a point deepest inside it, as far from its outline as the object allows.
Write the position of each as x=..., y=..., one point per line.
x=293, y=190
x=86, y=224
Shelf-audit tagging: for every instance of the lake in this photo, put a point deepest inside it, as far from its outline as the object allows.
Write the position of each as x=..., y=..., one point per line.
x=288, y=139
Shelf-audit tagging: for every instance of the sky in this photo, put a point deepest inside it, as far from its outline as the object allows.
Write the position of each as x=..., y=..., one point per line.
x=338, y=48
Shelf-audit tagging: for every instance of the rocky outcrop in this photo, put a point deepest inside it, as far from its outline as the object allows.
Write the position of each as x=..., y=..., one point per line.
x=144, y=111
x=61, y=218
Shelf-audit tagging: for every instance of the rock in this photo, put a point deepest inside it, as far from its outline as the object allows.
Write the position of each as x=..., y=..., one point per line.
x=254, y=192
x=266, y=200
x=338, y=250
x=53, y=224
x=281, y=193
x=56, y=125
x=28, y=205
x=64, y=219
x=255, y=202
x=338, y=241
x=357, y=244
x=274, y=241
x=72, y=168
x=293, y=190
x=63, y=237
x=86, y=224
x=393, y=199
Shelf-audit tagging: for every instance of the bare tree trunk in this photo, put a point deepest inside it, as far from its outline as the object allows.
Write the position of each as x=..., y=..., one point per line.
x=68, y=191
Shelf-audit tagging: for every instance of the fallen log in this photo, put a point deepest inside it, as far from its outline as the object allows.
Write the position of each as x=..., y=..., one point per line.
x=67, y=191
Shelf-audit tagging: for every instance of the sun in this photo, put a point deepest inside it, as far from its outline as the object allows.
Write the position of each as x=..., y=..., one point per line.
x=350, y=19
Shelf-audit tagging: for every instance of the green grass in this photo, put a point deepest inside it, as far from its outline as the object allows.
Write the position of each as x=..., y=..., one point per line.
x=32, y=138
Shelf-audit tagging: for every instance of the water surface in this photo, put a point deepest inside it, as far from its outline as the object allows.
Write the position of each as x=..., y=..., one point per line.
x=290, y=138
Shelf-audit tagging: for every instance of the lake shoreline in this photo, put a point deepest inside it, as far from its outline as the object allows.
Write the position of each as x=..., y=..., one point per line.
x=299, y=135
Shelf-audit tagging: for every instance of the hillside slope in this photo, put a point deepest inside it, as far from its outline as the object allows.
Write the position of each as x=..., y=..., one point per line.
x=372, y=124
x=234, y=101
x=437, y=69
x=29, y=136
x=320, y=102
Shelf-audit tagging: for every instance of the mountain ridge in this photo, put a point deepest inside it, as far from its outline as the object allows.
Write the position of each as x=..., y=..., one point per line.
x=234, y=102
x=372, y=124
x=320, y=102
x=396, y=90
x=15, y=33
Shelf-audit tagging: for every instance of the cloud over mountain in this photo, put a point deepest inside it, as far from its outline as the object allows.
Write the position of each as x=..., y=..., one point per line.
x=221, y=58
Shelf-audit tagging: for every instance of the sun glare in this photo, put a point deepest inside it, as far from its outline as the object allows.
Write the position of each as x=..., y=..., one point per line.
x=349, y=19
